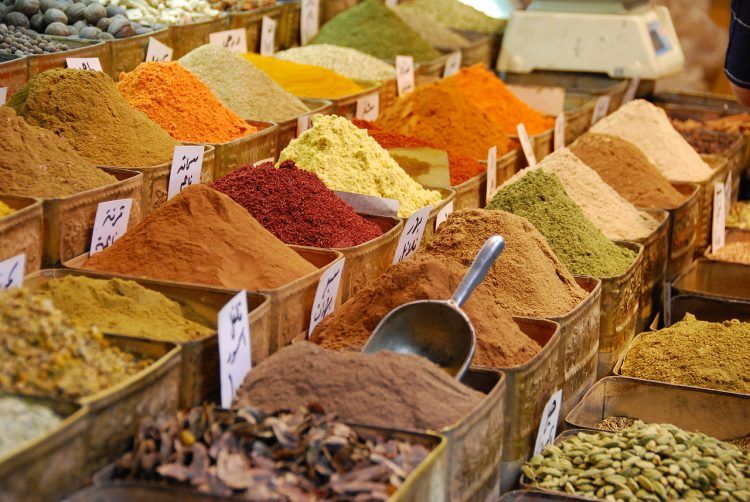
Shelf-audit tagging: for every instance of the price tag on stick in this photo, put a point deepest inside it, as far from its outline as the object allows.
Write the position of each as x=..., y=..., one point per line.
x=3, y=95
x=452, y=64
x=325, y=295
x=11, y=271
x=368, y=107
x=231, y=40
x=443, y=214
x=110, y=223
x=404, y=74
x=600, y=109
x=309, y=20
x=303, y=124
x=84, y=63
x=548, y=424
x=235, y=350
x=267, y=37
x=186, y=168
x=411, y=235
x=728, y=193
x=560, y=132
x=631, y=90
x=158, y=51
x=718, y=227
x=491, y=173
x=526, y=146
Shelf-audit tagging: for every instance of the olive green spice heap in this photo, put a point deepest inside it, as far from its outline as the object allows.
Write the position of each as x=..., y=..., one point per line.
x=457, y=15
x=643, y=462
x=541, y=198
x=697, y=353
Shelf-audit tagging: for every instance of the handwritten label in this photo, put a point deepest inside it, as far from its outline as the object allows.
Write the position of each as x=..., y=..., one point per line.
x=491, y=173
x=3, y=95
x=452, y=64
x=231, y=40
x=267, y=37
x=309, y=20
x=11, y=271
x=559, y=132
x=368, y=107
x=443, y=214
x=600, y=109
x=84, y=63
x=411, y=236
x=235, y=360
x=158, y=51
x=110, y=223
x=186, y=168
x=631, y=90
x=528, y=149
x=304, y=123
x=404, y=74
x=548, y=424
x=718, y=229
x=370, y=204
x=325, y=295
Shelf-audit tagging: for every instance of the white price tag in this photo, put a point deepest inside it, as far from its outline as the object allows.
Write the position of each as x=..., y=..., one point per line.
x=263, y=161
x=325, y=295
x=84, y=63
x=158, y=51
x=411, y=235
x=235, y=360
x=303, y=124
x=309, y=20
x=267, y=37
x=491, y=173
x=443, y=214
x=631, y=90
x=528, y=150
x=718, y=227
x=368, y=107
x=404, y=74
x=728, y=192
x=560, y=132
x=548, y=424
x=3, y=95
x=452, y=64
x=391, y=3
x=231, y=40
x=11, y=271
x=110, y=223
x=370, y=204
x=186, y=169
x=600, y=109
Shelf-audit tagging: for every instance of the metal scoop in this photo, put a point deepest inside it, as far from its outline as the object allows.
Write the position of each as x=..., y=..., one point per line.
x=437, y=329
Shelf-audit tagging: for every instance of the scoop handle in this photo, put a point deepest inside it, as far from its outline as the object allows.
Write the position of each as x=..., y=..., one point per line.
x=475, y=275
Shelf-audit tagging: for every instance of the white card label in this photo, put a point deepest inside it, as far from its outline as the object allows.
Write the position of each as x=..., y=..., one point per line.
x=186, y=169
x=368, y=107
x=600, y=109
x=631, y=90
x=235, y=360
x=491, y=173
x=11, y=271
x=110, y=223
x=411, y=235
x=559, y=132
x=718, y=227
x=309, y=20
x=325, y=295
x=528, y=149
x=728, y=193
x=370, y=204
x=303, y=124
x=443, y=214
x=452, y=64
x=158, y=51
x=267, y=37
x=404, y=74
x=391, y=3
x=84, y=63
x=231, y=40
x=548, y=424
x=3, y=95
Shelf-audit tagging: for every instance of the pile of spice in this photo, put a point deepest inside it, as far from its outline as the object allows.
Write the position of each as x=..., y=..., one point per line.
x=696, y=353
x=615, y=424
x=703, y=140
x=23, y=421
x=203, y=237
x=642, y=462
x=500, y=342
x=42, y=353
x=85, y=108
x=441, y=114
x=462, y=168
x=5, y=210
x=34, y=162
x=488, y=93
x=624, y=167
x=540, y=197
x=739, y=123
x=386, y=389
x=374, y=29
x=152, y=12
x=242, y=87
x=733, y=252
x=648, y=128
x=430, y=29
x=457, y=15
x=527, y=279
x=285, y=455
x=344, y=61
x=184, y=106
x=347, y=159
x=122, y=307
x=305, y=80
x=18, y=41
x=739, y=215
x=296, y=206
x=240, y=4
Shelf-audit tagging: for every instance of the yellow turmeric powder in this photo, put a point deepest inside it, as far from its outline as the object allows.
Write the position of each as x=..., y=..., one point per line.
x=305, y=80
x=5, y=209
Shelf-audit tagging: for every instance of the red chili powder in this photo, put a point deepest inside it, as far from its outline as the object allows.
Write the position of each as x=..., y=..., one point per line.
x=296, y=206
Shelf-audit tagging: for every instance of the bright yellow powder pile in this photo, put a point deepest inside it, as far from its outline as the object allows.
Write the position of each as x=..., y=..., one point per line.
x=5, y=210
x=346, y=158
x=304, y=80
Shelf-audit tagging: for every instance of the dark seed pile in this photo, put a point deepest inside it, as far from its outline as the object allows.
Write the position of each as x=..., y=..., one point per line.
x=20, y=41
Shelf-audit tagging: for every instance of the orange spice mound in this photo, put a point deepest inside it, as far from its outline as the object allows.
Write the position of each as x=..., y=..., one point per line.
x=442, y=115
x=181, y=104
x=489, y=94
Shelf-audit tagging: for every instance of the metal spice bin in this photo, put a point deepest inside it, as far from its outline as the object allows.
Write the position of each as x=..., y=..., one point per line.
x=471, y=194
x=448, y=195
x=252, y=21
x=541, y=143
x=22, y=231
x=127, y=53
x=246, y=150
x=714, y=279
x=733, y=236
x=683, y=225
x=38, y=63
x=199, y=380
x=14, y=72
x=287, y=131
x=189, y=36
x=655, y=253
x=579, y=109
x=706, y=309
x=734, y=156
x=289, y=27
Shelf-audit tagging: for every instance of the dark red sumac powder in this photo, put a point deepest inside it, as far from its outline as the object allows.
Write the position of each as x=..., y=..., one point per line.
x=296, y=206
